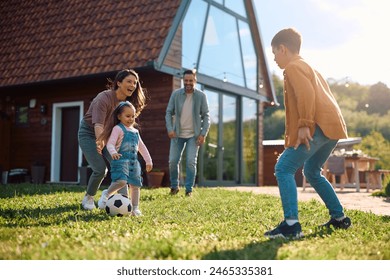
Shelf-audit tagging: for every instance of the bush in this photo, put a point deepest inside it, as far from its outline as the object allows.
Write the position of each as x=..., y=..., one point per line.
x=387, y=189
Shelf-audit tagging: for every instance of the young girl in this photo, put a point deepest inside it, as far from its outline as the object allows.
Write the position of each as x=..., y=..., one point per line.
x=123, y=144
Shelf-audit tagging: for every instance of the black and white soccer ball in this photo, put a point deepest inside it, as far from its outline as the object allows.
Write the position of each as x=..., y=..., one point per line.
x=118, y=205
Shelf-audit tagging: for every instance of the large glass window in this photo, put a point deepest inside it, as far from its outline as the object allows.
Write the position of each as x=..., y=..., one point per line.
x=217, y=41
x=221, y=56
x=193, y=26
x=236, y=6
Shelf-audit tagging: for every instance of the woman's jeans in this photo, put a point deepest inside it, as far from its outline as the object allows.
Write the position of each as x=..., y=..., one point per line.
x=98, y=164
x=175, y=154
x=312, y=160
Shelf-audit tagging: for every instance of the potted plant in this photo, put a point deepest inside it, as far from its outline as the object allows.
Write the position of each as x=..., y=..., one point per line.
x=38, y=172
x=155, y=177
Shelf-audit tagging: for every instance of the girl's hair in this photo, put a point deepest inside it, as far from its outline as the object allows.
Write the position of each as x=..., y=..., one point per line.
x=114, y=120
x=138, y=98
x=288, y=37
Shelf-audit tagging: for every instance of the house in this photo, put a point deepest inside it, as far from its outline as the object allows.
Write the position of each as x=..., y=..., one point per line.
x=56, y=57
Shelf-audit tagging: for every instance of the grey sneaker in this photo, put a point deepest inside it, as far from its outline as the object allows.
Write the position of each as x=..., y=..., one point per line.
x=103, y=200
x=285, y=231
x=88, y=202
x=343, y=224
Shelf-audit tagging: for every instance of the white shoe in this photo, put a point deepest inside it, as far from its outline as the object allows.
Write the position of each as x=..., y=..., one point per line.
x=88, y=202
x=137, y=212
x=103, y=200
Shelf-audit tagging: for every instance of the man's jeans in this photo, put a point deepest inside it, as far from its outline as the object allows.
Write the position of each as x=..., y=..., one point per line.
x=175, y=154
x=312, y=160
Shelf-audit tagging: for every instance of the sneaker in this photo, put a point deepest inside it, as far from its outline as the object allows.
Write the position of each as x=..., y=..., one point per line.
x=189, y=194
x=88, y=202
x=344, y=223
x=174, y=191
x=103, y=200
x=136, y=212
x=283, y=230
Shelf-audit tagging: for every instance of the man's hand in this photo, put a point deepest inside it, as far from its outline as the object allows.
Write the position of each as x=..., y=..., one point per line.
x=304, y=137
x=172, y=134
x=200, y=140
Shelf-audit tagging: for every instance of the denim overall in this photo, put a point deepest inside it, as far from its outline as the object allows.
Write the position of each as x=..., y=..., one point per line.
x=127, y=167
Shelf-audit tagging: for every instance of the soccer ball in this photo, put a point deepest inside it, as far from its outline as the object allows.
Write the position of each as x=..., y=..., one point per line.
x=118, y=205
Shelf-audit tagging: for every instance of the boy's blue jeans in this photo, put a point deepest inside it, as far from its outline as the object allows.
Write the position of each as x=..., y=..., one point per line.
x=312, y=160
x=175, y=154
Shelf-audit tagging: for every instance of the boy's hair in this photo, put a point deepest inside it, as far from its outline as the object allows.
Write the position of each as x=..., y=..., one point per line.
x=288, y=37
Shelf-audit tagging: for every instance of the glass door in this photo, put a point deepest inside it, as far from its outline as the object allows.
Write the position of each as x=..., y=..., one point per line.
x=219, y=158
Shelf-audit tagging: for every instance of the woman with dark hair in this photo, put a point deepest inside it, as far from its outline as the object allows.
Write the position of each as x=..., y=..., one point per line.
x=125, y=87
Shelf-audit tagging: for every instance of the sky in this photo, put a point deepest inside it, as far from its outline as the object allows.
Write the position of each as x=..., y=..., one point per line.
x=342, y=39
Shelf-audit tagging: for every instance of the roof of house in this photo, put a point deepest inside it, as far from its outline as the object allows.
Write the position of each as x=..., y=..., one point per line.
x=44, y=40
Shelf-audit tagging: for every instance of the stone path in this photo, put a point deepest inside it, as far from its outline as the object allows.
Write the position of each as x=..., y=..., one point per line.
x=350, y=199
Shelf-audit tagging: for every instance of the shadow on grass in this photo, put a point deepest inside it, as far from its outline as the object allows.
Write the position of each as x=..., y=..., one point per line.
x=12, y=190
x=60, y=215
x=266, y=250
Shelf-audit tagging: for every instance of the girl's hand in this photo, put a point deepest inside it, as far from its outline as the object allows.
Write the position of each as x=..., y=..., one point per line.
x=149, y=167
x=116, y=156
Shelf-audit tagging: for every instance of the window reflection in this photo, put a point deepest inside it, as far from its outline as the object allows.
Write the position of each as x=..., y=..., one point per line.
x=249, y=150
x=229, y=172
x=249, y=55
x=210, y=156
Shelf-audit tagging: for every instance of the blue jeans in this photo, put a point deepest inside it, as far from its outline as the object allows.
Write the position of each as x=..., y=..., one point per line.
x=98, y=164
x=175, y=154
x=313, y=160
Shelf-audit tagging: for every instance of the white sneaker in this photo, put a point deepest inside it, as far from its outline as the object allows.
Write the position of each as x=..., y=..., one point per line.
x=88, y=202
x=103, y=200
x=137, y=212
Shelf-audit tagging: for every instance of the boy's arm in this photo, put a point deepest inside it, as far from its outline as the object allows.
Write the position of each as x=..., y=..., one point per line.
x=303, y=89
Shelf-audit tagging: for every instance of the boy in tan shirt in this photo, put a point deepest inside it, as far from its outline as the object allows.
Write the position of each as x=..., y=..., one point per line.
x=314, y=124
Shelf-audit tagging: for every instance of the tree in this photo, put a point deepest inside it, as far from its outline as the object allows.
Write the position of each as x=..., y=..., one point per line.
x=375, y=145
x=377, y=101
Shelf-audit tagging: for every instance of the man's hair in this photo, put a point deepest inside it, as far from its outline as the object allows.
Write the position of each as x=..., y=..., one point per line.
x=288, y=37
x=191, y=72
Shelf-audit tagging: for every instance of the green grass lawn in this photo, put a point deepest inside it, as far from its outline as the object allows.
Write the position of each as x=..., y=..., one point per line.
x=46, y=222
